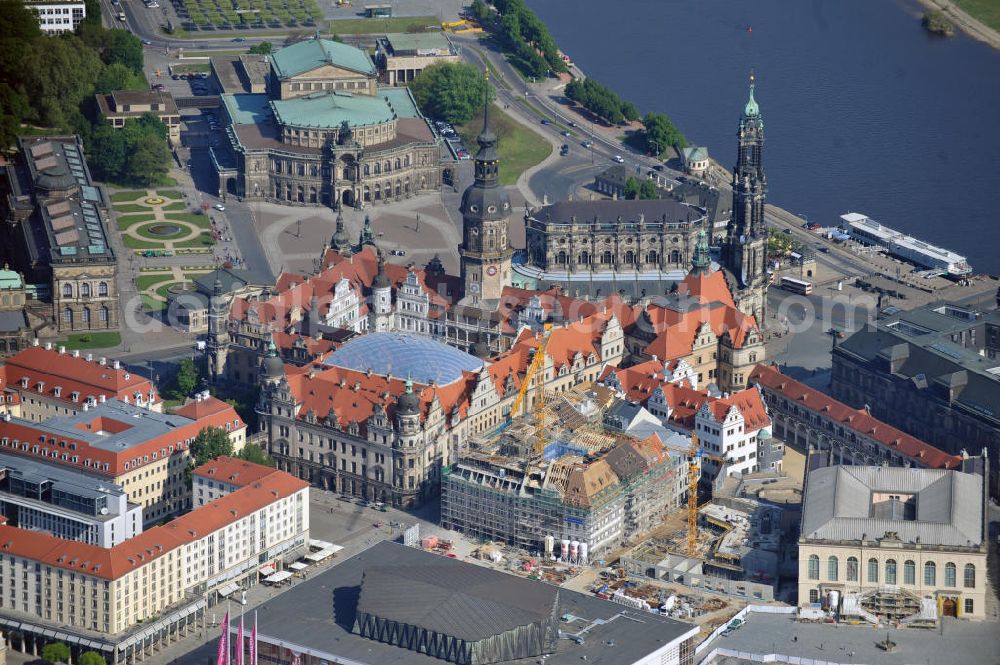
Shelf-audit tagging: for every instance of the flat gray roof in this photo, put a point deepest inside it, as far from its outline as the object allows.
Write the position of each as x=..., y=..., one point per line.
x=319, y=616
x=143, y=425
x=61, y=477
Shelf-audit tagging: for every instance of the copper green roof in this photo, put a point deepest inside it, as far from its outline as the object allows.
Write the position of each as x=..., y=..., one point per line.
x=10, y=279
x=305, y=56
x=401, y=100
x=330, y=109
x=247, y=109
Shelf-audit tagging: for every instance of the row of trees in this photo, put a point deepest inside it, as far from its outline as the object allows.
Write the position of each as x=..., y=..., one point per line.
x=601, y=100
x=450, y=91
x=57, y=652
x=527, y=40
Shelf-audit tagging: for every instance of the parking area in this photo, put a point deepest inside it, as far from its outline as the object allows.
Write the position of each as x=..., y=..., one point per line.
x=452, y=140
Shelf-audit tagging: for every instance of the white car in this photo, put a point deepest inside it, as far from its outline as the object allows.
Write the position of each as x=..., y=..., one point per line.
x=619, y=159
x=219, y=207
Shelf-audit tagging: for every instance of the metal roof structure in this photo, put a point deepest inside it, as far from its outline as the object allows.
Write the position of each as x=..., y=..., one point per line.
x=328, y=109
x=319, y=618
x=419, y=357
x=310, y=54
x=840, y=504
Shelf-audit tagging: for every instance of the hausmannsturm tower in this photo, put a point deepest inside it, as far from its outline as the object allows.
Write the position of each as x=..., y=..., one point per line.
x=744, y=253
x=485, y=250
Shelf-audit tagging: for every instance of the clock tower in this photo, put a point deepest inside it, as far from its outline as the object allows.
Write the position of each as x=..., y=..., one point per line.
x=485, y=250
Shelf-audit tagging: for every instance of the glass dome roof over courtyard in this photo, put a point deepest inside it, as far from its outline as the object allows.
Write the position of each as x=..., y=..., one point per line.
x=418, y=357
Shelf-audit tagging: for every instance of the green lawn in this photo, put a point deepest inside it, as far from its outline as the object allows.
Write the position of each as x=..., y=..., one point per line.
x=144, y=282
x=151, y=304
x=204, y=240
x=93, y=340
x=519, y=147
x=201, y=221
x=367, y=26
x=170, y=194
x=125, y=221
x=131, y=207
x=987, y=11
x=191, y=68
x=127, y=196
x=135, y=243
x=178, y=206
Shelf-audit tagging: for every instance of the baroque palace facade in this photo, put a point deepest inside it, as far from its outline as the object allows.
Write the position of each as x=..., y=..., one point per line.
x=324, y=133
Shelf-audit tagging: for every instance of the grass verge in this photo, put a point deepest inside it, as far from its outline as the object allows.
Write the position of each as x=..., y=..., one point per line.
x=122, y=208
x=519, y=147
x=201, y=221
x=367, y=26
x=125, y=221
x=145, y=282
x=93, y=340
x=987, y=11
x=204, y=240
x=127, y=196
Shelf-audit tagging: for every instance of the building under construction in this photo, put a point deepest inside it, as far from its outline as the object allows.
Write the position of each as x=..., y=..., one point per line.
x=585, y=494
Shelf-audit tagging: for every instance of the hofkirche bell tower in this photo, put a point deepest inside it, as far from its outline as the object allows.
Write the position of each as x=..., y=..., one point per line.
x=485, y=250
x=744, y=252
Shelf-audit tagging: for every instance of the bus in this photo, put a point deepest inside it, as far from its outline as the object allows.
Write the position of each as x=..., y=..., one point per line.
x=799, y=286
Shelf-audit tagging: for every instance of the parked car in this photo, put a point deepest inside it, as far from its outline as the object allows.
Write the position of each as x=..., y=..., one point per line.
x=566, y=133
x=219, y=207
x=619, y=159
x=545, y=121
x=464, y=154
x=238, y=40
x=564, y=150
x=588, y=144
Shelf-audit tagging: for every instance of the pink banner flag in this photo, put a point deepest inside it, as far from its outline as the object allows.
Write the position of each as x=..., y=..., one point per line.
x=253, y=641
x=223, y=655
x=239, y=643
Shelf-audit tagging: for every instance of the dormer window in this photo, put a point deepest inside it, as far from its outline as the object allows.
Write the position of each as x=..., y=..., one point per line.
x=74, y=396
x=57, y=391
x=40, y=386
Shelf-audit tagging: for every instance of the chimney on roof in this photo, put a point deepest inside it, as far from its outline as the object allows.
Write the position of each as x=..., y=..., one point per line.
x=62, y=350
x=90, y=357
x=116, y=365
x=102, y=398
x=48, y=346
x=86, y=405
x=357, y=386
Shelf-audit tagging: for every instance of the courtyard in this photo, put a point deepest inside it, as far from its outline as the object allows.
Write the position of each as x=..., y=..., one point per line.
x=162, y=221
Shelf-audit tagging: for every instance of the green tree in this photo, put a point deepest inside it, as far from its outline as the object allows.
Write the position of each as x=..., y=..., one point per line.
x=631, y=188
x=107, y=153
x=481, y=12
x=117, y=76
x=187, y=378
x=18, y=22
x=91, y=658
x=660, y=133
x=55, y=652
x=123, y=47
x=780, y=243
x=630, y=112
x=254, y=453
x=450, y=91
x=264, y=48
x=149, y=160
x=647, y=190
x=210, y=443
x=13, y=107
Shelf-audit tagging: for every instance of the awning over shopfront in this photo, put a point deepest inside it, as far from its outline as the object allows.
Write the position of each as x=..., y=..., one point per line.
x=298, y=565
x=279, y=576
x=266, y=570
x=229, y=589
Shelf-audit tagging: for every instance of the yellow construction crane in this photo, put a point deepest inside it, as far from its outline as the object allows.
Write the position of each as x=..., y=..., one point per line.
x=537, y=363
x=694, y=472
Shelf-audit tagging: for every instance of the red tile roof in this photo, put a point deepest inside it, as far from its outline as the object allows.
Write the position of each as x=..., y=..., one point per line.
x=112, y=563
x=71, y=374
x=677, y=329
x=750, y=405
x=707, y=288
x=233, y=471
x=857, y=420
x=197, y=409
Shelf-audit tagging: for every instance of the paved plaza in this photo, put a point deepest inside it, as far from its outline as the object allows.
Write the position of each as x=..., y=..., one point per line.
x=957, y=642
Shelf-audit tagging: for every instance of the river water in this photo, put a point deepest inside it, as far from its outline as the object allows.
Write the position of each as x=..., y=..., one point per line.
x=863, y=110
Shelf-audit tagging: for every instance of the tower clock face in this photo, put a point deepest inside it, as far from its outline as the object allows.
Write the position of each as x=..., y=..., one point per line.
x=491, y=271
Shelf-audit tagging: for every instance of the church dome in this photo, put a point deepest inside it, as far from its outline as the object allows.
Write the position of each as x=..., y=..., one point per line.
x=408, y=403
x=488, y=203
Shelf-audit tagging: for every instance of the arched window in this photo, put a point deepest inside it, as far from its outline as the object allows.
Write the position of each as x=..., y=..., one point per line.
x=367, y=170
x=561, y=258
x=313, y=198
x=813, y=567
x=832, y=565
x=930, y=574
x=606, y=259
x=388, y=167
x=969, y=579
x=406, y=160
x=397, y=163
x=909, y=572
x=86, y=315
x=102, y=289
x=873, y=571
x=300, y=194
x=652, y=257
x=890, y=571
x=675, y=256
x=950, y=574
x=68, y=316
x=67, y=290
x=852, y=569
x=584, y=258
x=103, y=314
x=629, y=257
x=85, y=290
x=378, y=168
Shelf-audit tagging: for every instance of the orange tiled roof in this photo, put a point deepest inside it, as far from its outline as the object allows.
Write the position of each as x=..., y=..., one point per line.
x=112, y=563
x=707, y=288
x=71, y=374
x=678, y=329
x=233, y=471
x=857, y=420
x=750, y=405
